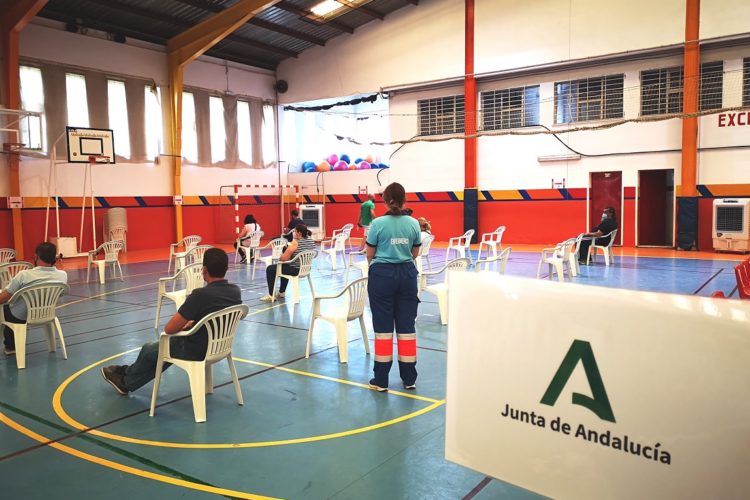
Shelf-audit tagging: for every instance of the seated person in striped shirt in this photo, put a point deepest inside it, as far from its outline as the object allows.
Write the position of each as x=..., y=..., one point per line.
x=301, y=243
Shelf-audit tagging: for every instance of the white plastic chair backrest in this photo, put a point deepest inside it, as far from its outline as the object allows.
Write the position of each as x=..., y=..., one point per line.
x=193, y=276
x=456, y=265
x=6, y=255
x=190, y=241
x=117, y=233
x=424, y=249
x=221, y=327
x=277, y=247
x=467, y=237
x=255, y=237
x=306, y=260
x=41, y=301
x=612, y=237
x=8, y=270
x=568, y=248
x=111, y=250
x=339, y=242
x=501, y=259
x=578, y=240
x=357, y=295
x=347, y=229
x=195, y=254
x=497, y=234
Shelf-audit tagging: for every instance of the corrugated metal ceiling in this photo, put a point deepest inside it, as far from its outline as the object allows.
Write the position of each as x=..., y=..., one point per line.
x=277, y=33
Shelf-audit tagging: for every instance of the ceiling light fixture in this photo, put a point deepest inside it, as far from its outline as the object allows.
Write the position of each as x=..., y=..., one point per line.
x=325, y=7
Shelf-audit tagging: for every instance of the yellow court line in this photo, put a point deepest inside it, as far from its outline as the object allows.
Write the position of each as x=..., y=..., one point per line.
x=60, y=411
x=126, y=468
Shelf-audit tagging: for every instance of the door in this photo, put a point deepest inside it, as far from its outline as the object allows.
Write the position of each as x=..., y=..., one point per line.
x=606, y=191
x=656, y=208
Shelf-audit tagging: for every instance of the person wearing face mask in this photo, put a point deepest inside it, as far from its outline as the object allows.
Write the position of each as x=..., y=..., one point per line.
x=600, y=232
x=218, y=294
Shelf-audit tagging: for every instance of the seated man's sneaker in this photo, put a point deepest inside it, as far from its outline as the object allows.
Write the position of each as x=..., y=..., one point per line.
x=115, y=375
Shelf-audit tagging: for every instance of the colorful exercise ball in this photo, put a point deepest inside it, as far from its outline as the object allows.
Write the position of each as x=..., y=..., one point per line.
x=358, y=161
x=364, y=165
x=308, y=167
x=382, y=165
x=323, y=166
x=332, y=159
x=369, y=159
x=352, y=166
x=341, y=165
x=345, y=158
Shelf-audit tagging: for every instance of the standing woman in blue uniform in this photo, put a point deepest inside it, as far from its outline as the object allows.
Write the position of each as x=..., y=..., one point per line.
x=392, y=245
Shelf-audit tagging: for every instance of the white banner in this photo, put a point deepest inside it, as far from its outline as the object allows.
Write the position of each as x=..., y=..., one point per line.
x=581, y=392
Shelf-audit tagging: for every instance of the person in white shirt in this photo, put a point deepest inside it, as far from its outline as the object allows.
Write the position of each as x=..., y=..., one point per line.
x=251, y=226
x=45, y=271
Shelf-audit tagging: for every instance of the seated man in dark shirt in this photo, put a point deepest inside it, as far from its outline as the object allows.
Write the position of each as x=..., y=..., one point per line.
x=607, y=225
x=216, y=295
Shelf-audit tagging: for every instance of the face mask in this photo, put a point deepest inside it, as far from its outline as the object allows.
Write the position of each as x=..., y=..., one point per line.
x=604, y=215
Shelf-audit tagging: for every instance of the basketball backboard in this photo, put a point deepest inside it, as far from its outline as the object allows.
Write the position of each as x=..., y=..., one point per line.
x=86, y=142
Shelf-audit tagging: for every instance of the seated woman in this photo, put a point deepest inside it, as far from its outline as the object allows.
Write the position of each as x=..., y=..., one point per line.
x=424, y=227
x=301, y=243
x=250, y=227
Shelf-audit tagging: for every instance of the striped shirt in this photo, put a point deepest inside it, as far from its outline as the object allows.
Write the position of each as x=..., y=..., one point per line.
x=303, y=245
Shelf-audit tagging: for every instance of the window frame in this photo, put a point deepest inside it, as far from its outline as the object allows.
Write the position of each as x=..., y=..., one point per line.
x=441, y=115
x=675, y=88
x=589, y=99
x=496, y=116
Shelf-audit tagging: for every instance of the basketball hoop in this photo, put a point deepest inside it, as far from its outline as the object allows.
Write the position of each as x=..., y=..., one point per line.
x=13, y=147
x=93, y=159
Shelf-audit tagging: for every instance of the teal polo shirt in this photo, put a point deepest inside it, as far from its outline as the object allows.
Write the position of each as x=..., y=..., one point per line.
x=393, y=236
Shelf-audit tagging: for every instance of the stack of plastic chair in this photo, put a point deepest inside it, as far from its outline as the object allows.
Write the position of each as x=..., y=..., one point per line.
x=115, y=226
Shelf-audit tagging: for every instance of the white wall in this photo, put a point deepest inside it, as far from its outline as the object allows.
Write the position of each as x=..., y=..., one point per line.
x=46, y=41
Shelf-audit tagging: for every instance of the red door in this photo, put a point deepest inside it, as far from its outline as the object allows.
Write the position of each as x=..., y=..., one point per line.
x=606, y=191
x=655, y=203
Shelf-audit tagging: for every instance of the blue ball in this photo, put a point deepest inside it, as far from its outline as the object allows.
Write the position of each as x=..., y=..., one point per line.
x=308, y=167
x=358, y=161
x=382, y=165
x=345, y=158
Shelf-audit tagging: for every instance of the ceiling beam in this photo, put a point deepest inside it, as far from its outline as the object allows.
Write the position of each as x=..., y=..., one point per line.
x=366, y=10
x=261, y=23
x=413, y=2
x=304, y=13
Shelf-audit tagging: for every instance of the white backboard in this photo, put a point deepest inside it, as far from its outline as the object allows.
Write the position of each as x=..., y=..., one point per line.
x=86, y=142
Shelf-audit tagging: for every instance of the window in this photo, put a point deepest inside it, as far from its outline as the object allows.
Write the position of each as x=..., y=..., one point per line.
x=118, y=117
x=443, y=115
x=662, y=89
x=268, y=135
x=597, y=98
x=189, y=133
x=33, y=130
x=78, y=108
x=218, y=131
x=510, y=108
x=154, y=128
x=746, y=82
x=244, y=139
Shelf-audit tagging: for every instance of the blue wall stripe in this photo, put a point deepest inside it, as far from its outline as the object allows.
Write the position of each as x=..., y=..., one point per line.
x=141, y=202
x=524, y=195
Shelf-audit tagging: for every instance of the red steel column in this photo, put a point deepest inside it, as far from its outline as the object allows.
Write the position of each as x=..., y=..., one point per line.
x=470, y=102
x=690, y=98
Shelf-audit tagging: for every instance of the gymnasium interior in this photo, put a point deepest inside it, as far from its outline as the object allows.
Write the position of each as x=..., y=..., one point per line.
x=137, y=134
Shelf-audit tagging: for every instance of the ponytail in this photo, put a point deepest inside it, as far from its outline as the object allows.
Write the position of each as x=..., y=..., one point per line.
x=394, y=196
x=303, y=231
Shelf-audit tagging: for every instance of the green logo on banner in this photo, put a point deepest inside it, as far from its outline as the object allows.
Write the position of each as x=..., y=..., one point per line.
x=599, y=404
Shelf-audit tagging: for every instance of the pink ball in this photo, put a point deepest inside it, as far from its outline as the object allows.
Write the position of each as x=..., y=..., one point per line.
x=341, y=165
x=332, y=159
x=363, y=165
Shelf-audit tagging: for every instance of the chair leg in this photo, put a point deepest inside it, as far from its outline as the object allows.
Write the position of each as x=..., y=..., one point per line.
x=58, y=327
x=49, y=330
x=158, y=311
x=365, y=340
x=295, y=289
x=255, y=261
x=197, y=377
x=605, y=252
x=588, y=256
x=122, y=278
x=169, y=268
x=539, y=269
x=559, y=270
x=209, y=378
x=235, y=381
x=429, y=264
x=157, y=381
x=88, y=271
x=341, y=340
x=100, y=268
x=309, y=336
x=19, y=337
x=443, y=305
x=573, y=265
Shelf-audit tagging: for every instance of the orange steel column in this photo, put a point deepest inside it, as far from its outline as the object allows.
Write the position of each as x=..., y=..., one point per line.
x=690, y=98
x=470, y=202
x=16, y=15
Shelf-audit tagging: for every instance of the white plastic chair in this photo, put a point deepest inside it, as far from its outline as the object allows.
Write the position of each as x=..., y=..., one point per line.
x=179, y=257
x=195, y=254
x=7, y=255
x=335, y=246
x=221, y=327
x=363, y=265
x=111, y=251
x=424, y=252
x=305, y=260
x=119, y=233
x=277, y=246
x=500, y=261
x=354, y=308
x=345, y=229
x=192, y=275
x=8, y=271
x=41, y=301
x=493, y=242
x=440, y=290
x=556, y=259
x=606, y=249
x=461, y=245
x=250, y=250
x=575, y=268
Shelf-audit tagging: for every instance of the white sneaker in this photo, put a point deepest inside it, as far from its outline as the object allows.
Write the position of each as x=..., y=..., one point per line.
x=266, y=298
x=280, y=295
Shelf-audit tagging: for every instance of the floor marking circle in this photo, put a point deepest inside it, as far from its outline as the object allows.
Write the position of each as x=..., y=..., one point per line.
x=60, y=411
